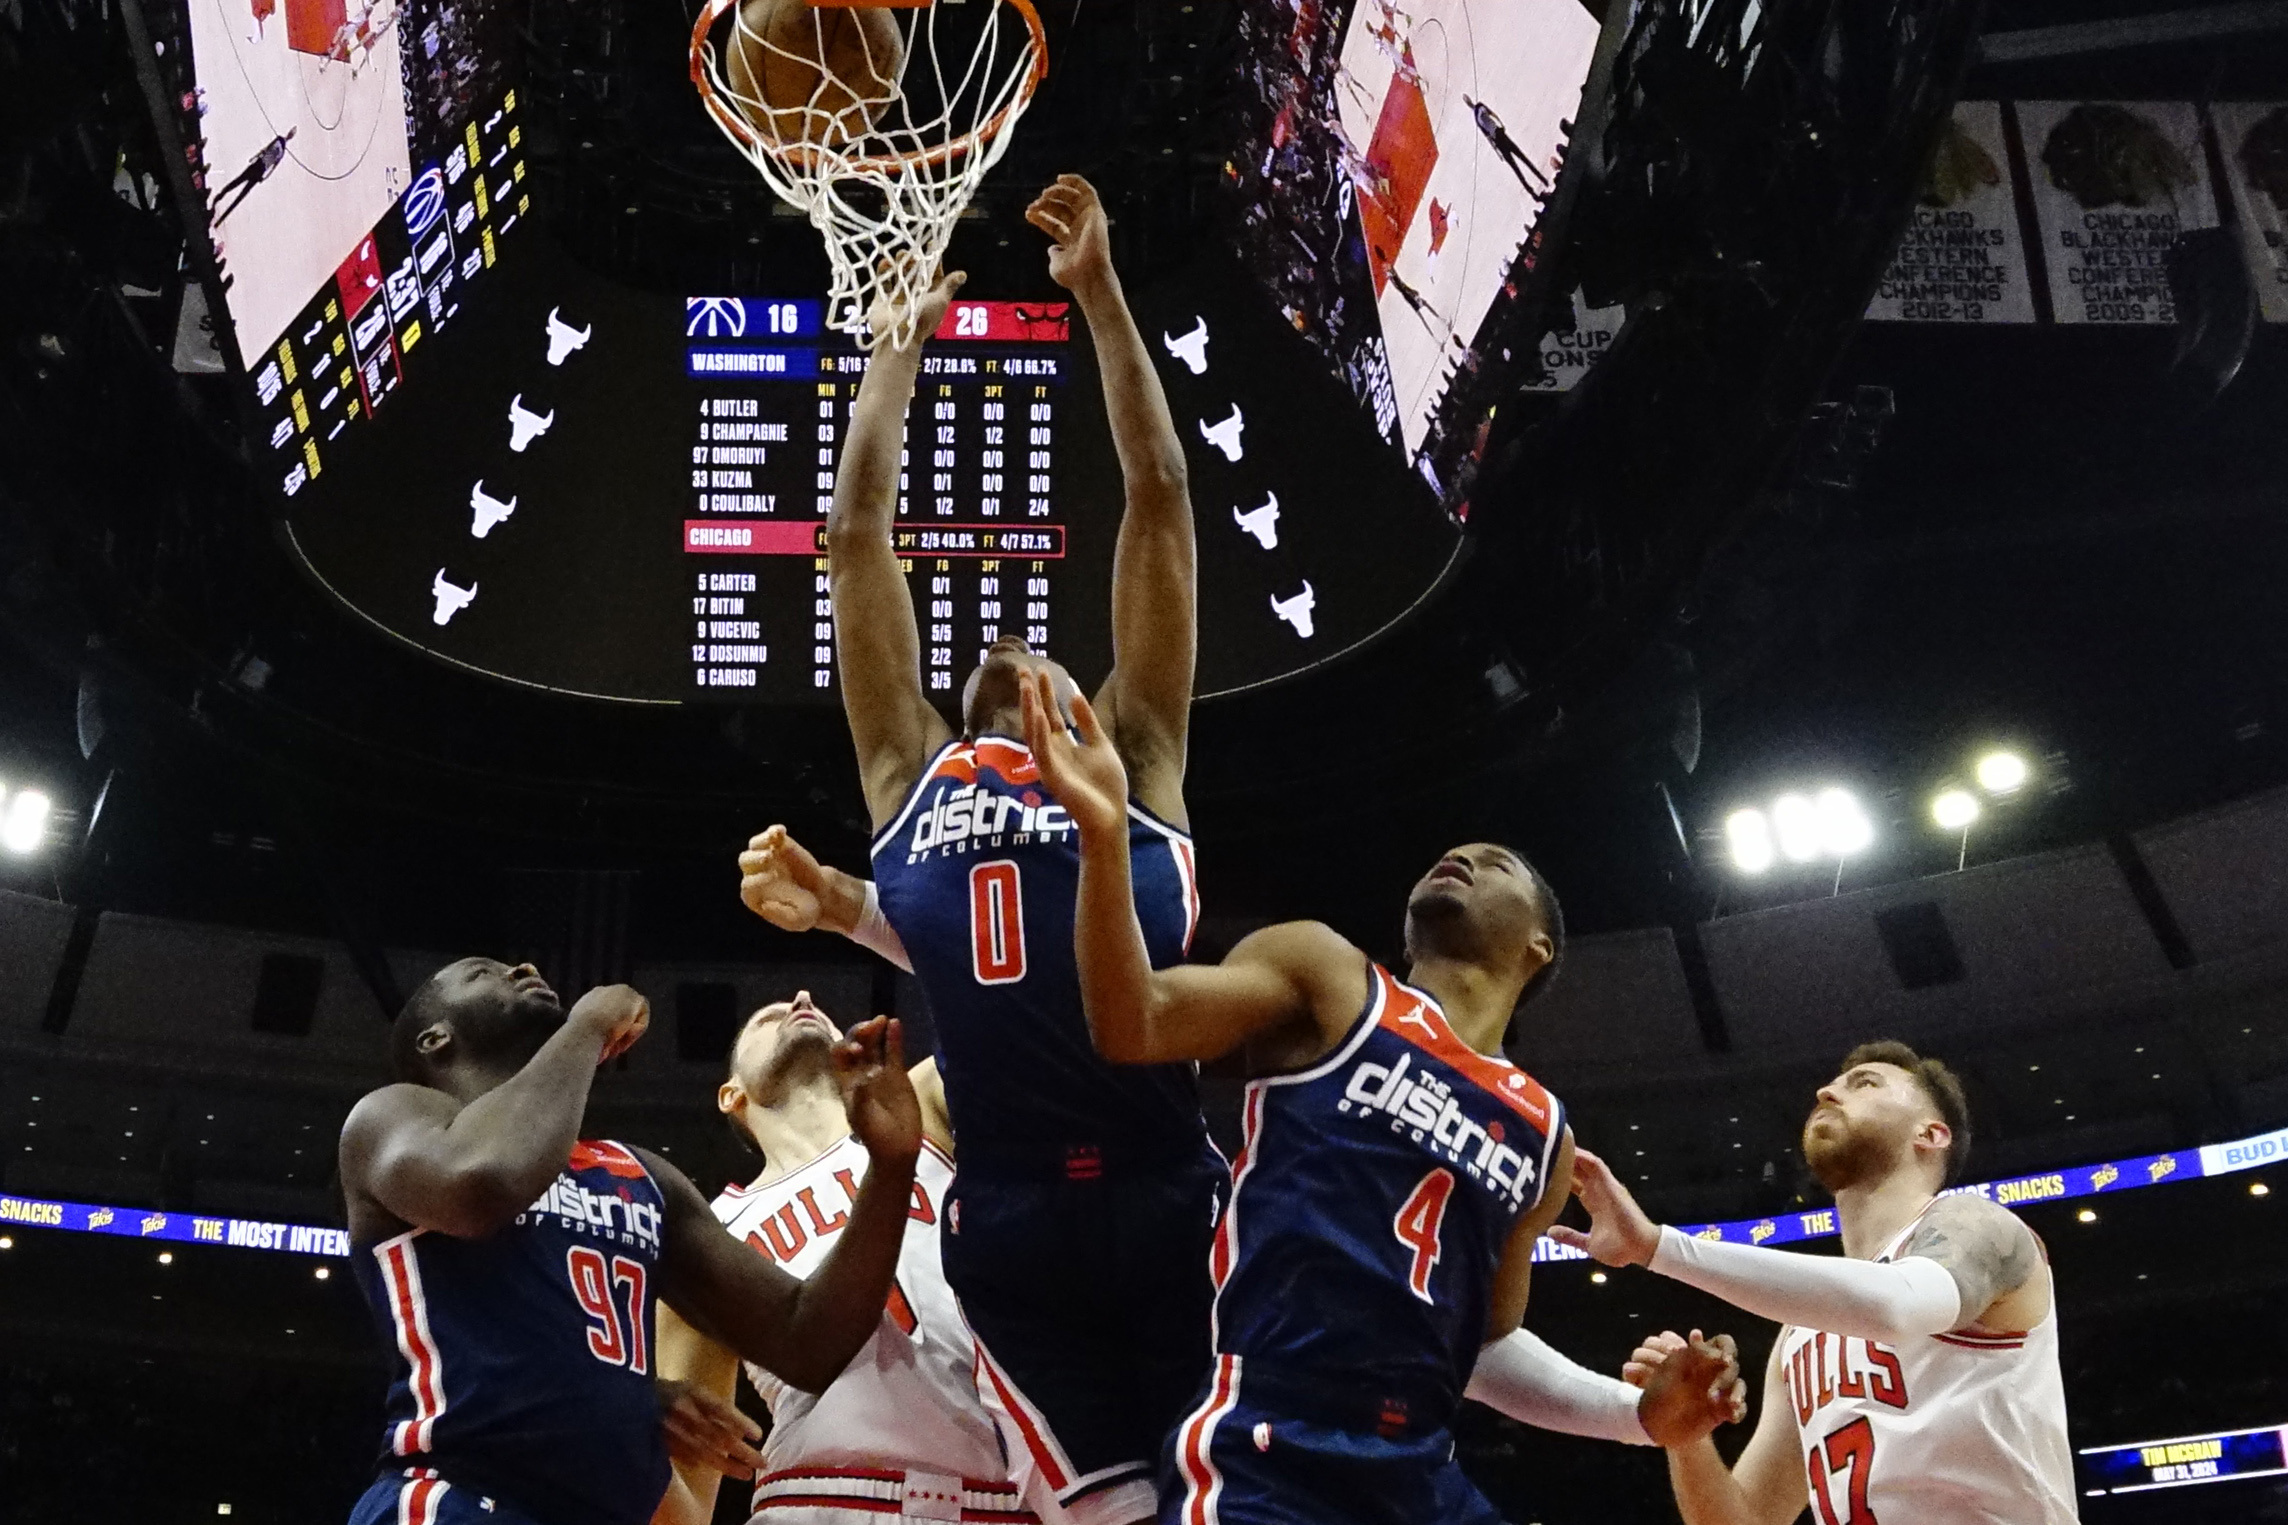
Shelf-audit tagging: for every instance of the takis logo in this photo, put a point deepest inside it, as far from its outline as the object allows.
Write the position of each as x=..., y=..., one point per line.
x=1422, y=1105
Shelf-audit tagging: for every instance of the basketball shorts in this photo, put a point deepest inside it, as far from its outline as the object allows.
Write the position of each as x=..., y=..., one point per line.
x=1237, y=1462
x=1086, y=1290
x=418, y=1496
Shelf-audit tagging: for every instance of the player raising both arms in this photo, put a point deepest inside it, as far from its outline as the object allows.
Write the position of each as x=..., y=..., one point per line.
x=514, y=1266
x=1080, y=1214
x=901, y=1430
x=1918, y=1378
x=1396, y=1172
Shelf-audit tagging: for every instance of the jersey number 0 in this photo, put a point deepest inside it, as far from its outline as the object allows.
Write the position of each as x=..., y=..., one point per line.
x=996, y=923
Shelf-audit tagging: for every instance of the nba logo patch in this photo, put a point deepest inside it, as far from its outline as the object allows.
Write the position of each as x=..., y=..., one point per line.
x=1263, y=1435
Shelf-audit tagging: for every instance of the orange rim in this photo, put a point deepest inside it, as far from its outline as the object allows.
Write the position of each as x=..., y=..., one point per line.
x=803, y=156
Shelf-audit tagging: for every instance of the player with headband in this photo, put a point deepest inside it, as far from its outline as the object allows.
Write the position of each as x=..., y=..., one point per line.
x=1087, y=1348
x=1917, y=1378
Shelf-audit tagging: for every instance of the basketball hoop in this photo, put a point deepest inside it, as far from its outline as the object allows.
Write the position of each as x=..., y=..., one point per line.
x=882, y=162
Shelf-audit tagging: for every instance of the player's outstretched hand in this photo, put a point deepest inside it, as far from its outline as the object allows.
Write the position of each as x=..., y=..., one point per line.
x=1070, y=212
x=870, y=1062
x=780, y=881
x=703, y=1430
x=1619, y=1232
x=1086, y=775
x=1690, y=1386
x=618, y=1011
x=882, y=319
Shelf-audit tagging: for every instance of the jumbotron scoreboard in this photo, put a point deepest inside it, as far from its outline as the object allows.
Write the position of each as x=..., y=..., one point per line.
x=622, y=494
x=978, y=531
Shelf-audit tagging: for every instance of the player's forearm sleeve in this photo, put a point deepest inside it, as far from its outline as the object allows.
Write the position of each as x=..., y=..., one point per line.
x=1860, y=1298
x=874, y=932
x=1522, y=1377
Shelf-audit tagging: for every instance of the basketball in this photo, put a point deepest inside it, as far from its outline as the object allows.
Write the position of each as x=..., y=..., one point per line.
x=806, y=73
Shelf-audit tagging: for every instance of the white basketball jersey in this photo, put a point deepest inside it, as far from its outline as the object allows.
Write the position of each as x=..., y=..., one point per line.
x=908, y=1400
x=1952, y=1429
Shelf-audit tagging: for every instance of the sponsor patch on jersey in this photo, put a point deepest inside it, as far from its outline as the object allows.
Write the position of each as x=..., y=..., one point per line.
x=1420, y=1104
x=619, y=1218
x=967, y=815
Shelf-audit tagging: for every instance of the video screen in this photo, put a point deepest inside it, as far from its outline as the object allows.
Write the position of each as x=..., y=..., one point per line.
x=1395, y=167
x=360, y=158
x=621, y=493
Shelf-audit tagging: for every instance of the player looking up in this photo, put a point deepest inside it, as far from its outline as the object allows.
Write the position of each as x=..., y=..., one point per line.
x=1395, y=1174
x=514, y=1265
x=902, y=1424
x=1080, y=1214
x=1917, y=1378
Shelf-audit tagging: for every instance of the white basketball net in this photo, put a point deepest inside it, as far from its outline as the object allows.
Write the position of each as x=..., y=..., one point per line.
x=882, y=165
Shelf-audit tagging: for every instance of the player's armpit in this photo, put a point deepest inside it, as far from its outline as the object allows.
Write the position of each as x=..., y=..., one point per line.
x=1994, y=1259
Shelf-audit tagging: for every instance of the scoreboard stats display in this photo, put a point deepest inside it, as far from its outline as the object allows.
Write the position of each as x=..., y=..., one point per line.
x=623, y=494
x=977, y=484
x=2186, y=1460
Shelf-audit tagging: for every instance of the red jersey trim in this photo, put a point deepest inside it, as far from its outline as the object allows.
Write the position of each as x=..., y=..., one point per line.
x=1415, y=1016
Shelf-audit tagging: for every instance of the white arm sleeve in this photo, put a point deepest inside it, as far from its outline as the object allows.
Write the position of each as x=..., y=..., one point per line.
x=1860, y=1298
x=875, y=933
x=1522, y=1377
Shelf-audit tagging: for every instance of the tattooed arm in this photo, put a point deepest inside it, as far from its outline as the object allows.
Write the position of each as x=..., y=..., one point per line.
x=1995, y=1260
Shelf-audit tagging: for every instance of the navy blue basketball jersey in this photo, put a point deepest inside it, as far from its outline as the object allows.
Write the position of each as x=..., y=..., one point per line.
x=523, y=1360
x=1371, y=1203
x=979, y=874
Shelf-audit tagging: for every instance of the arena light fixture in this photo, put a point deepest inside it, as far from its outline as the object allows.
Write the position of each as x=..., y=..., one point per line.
x=2087, y=1215
x=1749, y=834
x=2259, y=1189
x=1795, y=819
x=1843, y=826
x=2001, y=772
x=23, y=821
x=1955, y=809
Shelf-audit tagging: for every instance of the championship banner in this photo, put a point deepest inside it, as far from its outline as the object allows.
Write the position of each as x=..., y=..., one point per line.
x=1567, y=354
x=1962, y=257
x=2253, y=137
x=2114, y=184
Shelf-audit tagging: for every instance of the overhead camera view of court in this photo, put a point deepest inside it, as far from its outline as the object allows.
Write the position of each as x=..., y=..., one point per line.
x=1144, y=762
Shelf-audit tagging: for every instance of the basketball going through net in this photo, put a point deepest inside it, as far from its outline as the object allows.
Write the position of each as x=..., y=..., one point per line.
x=876, y=121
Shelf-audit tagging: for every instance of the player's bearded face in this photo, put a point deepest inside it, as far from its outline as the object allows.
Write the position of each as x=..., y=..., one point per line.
x=1858, y=1132
x=782, y=1042
x=500, y=1010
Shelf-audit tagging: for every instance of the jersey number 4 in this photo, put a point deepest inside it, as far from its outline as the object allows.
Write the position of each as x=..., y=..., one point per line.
x=1417, y=1225
x=610, y=1338
x=1848, y=1450
x=996, y=924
